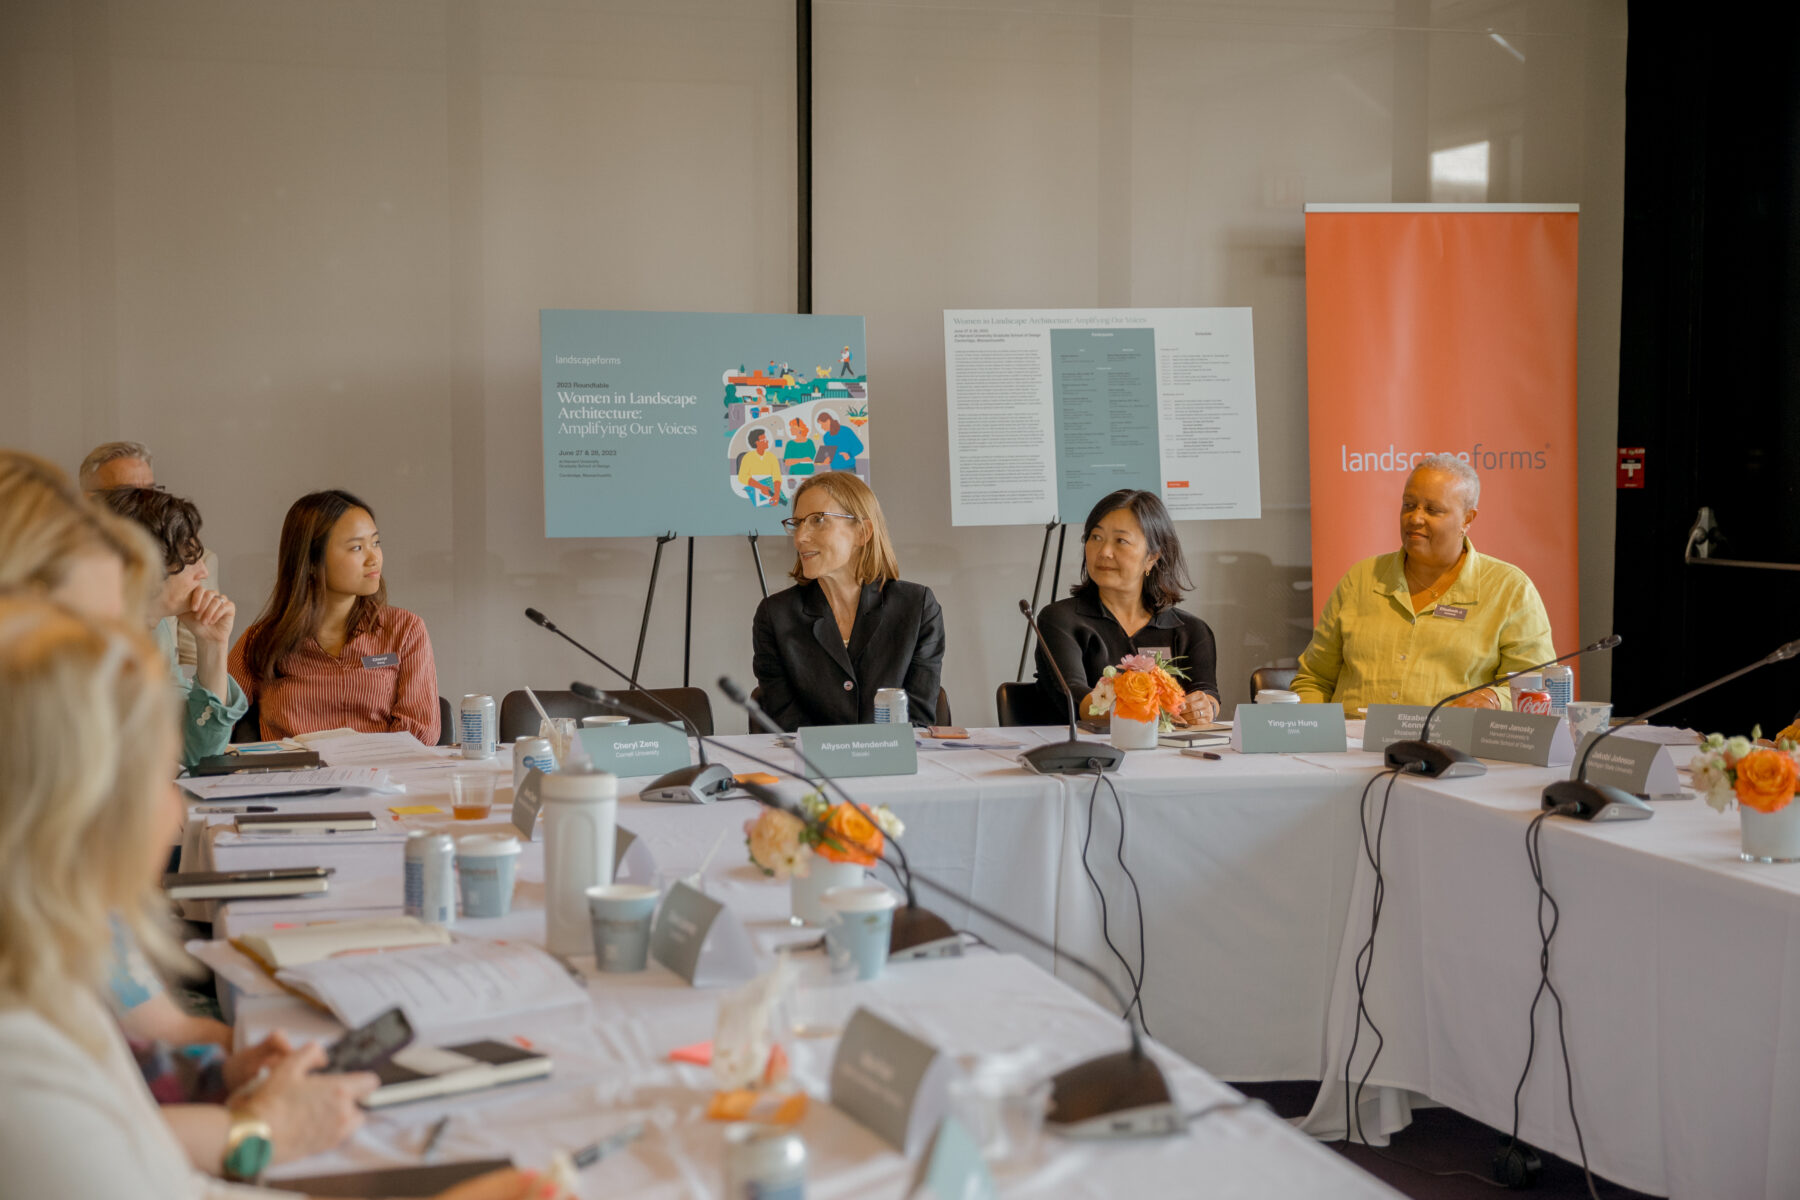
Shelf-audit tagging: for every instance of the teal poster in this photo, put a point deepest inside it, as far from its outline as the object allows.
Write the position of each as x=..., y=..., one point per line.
x=695, y=423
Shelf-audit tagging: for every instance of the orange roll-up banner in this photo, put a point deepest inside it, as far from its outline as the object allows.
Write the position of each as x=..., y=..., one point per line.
x=1444, y=328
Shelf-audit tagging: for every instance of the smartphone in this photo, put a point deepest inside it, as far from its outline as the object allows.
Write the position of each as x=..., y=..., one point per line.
x=367, y=1048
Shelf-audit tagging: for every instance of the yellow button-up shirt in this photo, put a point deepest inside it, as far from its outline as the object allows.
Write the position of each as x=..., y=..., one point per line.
x=1370, y=647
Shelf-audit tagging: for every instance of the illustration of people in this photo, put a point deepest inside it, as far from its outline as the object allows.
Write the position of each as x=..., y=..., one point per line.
x=838, y=442
x=844, y=363
x=760, y=471
x=797, y=456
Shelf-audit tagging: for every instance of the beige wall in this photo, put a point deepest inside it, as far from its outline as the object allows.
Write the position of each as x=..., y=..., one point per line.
x=300, y=244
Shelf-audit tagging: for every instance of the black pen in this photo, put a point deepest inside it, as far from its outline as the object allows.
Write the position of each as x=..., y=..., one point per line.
x=247, y=808
x=1190, y=752
x=432, y=1138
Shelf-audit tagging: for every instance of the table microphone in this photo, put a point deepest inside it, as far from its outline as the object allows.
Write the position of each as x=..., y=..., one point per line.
x=1114, y=1096
x=917, y=932
x=1073, y=756
x=1600, y=802
x=695, y=784
x=1428, y=758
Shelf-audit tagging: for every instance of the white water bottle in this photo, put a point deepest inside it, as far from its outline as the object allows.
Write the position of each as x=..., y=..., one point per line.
x=580, y=811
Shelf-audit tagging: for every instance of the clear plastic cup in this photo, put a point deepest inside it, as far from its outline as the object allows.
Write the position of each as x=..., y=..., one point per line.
x=471, y=795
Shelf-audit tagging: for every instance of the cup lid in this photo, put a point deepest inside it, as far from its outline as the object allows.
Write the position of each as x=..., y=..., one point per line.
x=863, y=897
x=621, y=891
x=605, y=719
x=486, y=845
x=1277, y=696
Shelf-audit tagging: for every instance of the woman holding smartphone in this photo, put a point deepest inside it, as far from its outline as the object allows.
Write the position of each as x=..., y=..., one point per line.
x=329, y=651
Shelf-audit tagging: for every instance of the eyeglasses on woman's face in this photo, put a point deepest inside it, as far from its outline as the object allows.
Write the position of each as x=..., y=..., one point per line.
x=813, y=521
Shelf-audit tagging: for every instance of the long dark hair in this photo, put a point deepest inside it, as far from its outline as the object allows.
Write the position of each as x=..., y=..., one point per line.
x=298, y=602
x=1168, y=579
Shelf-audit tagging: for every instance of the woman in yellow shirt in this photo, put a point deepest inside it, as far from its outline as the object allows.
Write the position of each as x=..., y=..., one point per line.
x=1430, y=619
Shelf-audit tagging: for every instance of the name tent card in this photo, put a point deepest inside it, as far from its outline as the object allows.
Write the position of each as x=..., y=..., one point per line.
x=1629, y=764
x=843, y=751
x=528, y=798
x=701, y=940
x=1288, y=729
x=632, y=860
x=889, y=1082
x=1537, y=739
x=628, y=750
x=952, y=1168
x=1390, y=723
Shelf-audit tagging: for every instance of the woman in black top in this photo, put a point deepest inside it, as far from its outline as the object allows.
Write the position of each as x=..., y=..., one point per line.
x=850, y=626
x=1131, y=579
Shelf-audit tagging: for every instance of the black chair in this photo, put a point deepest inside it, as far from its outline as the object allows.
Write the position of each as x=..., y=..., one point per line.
x=519, y=719
x=941, y=718
x=1025, y=704
x=1278, y=674
x=446, y=723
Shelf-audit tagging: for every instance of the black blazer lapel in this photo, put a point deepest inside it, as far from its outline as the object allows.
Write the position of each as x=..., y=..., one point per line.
x=825, y=630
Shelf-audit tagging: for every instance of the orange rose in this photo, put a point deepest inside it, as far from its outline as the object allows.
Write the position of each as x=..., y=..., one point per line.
x=1790, y=734
x=1169, y=696
x=1765, y=780
x=1134, y=695
x=850, y=837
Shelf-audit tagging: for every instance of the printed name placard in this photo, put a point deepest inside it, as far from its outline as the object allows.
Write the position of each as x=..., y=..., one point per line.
x=701, y=940
x=952, y=1168
x=628, y=750
x=528, y=798
x=1288, y=729
x=842, y=751
x=890, y=1082
x=1390, y=723
x=1537, y=739
x=632, y=860
x=1629, y=764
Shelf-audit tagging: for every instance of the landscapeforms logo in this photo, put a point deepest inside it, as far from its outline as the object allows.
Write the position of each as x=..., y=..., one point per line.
x=1480, y=456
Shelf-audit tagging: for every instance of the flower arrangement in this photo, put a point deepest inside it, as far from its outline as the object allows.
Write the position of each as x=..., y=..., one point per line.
x=782, y=845
x=1143, y=687
x=1739, y=770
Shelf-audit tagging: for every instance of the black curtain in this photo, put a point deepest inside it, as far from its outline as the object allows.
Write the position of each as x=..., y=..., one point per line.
x=1709, y=379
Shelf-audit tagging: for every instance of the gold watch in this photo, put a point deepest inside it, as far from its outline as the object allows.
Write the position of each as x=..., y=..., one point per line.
x=249, y=1148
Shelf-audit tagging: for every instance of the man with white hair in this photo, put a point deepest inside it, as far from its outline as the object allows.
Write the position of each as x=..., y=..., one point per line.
x=113, y=465
x=1431, y=618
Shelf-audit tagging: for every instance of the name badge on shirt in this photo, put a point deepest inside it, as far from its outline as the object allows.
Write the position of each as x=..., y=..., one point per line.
x=372, y=661
x=1450, y=612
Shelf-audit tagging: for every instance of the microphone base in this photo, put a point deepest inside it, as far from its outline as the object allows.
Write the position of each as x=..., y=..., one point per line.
x=920, y=933
x=1595, y=801
x=1433, y=761
x=698, y=784
x=1073, y=758
x=1121, y=1095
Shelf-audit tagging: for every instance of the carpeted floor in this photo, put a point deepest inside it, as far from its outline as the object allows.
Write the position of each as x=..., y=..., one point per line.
x=1440, y=1140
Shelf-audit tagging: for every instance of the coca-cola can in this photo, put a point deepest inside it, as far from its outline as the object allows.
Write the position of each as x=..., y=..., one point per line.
x=1532, y=702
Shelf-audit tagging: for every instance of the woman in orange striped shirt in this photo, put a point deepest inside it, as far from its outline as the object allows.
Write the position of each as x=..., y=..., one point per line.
x=328, y=651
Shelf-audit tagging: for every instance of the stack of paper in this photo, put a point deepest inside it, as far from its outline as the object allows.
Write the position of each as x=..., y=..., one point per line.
x=342, y=780
x=437, y=986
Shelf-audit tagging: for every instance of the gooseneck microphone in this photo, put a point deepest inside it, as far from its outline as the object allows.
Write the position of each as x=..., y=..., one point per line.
x=1073, y=756
x=1113, y=1096
x=1600, y=802
x=1426, y=757
x=917, y=932
x=695, y=784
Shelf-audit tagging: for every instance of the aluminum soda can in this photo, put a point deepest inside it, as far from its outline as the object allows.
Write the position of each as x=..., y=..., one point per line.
x=531, y=752
x=1559, y=681
x=1532, y=702
x=478, y=727
x=764, y=1162
x=890, y=707
x=430, y=877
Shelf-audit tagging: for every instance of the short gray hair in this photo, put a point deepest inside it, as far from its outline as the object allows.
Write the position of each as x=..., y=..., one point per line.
x=107, y=452
x=1459, y=468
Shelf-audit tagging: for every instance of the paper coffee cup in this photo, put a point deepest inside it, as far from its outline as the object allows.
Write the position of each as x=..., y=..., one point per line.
x=621, y=915
x=486, y=866
x=598, y=722
x=859, y=922
x=1276, y=696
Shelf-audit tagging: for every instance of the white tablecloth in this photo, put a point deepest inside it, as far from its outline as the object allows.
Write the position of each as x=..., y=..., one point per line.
x=1678, y=964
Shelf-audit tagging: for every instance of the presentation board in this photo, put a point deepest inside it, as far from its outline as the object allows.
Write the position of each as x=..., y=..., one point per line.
x=1051, y=409
x=695, y=423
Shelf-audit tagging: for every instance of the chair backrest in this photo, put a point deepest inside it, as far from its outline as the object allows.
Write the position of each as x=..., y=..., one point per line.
x=943, y=710
x=519, y=719
x=1025, y=704
x=1279, y=675
x=446, y=723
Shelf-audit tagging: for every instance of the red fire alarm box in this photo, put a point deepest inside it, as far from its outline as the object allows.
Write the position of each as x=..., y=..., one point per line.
x=1631, y=466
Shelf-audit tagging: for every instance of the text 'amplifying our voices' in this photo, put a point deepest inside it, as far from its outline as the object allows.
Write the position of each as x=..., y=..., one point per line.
x=583, y=414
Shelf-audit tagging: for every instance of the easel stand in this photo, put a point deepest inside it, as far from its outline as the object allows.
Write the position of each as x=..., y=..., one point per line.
x=1037, y=584
x=687, y=623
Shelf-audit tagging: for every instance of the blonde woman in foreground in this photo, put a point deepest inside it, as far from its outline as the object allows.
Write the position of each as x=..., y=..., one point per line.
x=87, y=814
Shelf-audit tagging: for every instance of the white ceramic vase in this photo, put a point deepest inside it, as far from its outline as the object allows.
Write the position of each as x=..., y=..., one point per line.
x=806, y=890
x=1771, y=837
x=1134, y=735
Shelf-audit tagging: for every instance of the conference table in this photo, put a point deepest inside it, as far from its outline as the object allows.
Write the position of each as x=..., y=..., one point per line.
x=1678, y=965
x=612, y=1065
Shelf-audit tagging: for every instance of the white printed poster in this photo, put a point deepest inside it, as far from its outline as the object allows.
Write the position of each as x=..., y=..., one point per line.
x=1051, y=409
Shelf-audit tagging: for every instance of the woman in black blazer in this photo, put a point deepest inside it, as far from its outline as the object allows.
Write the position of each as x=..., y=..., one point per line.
x=849, y=626
x=1132, y=577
